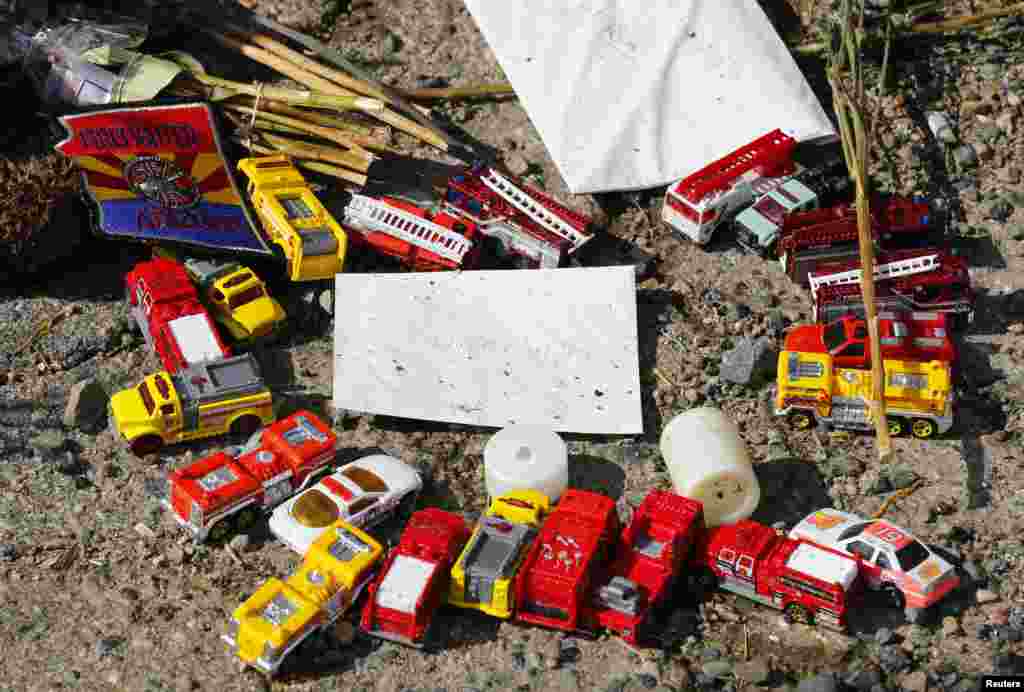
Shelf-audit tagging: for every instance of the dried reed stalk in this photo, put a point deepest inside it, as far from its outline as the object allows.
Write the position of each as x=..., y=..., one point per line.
x=319, y=167
x=455, y=93
x=327, y=133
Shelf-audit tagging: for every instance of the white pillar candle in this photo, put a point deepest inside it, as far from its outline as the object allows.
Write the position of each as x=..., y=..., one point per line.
x=708, y=461
x=526, y=457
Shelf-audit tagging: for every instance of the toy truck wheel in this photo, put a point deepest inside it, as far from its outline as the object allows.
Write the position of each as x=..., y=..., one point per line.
x=922, y=428
x=145, y=445
x=897, y=426
x=245, y=425
x=893, y=596
x=407, y=506
x=801, y=420
x=797, y=613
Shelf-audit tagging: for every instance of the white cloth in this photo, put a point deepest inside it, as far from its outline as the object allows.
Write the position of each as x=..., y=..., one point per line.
x=631, y=94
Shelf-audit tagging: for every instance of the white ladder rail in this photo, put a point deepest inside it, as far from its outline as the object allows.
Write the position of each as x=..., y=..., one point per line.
x=889, y=270
x=366, y=213
x=522, y=201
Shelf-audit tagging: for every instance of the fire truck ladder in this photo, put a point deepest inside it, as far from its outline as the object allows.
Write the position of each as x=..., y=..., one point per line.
x=890, y=270
x=772, y=147
x=525, y=203
x=371, y=215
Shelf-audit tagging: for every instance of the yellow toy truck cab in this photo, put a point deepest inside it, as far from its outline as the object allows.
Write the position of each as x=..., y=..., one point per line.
x=237, y=298
x=203, y=400
x=313, y=242
x=281, y=614
x=482, y=576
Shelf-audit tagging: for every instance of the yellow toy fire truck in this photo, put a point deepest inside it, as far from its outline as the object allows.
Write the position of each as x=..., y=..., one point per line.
x=203, y=400
x=918, y=394
x=313, y=242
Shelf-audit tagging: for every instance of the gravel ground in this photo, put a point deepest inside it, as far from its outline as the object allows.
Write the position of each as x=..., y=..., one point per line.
x=101, y=591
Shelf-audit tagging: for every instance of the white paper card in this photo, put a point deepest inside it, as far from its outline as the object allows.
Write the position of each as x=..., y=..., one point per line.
x=556, y=347
x=629, y=95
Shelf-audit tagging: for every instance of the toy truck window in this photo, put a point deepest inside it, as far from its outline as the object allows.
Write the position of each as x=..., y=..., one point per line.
x=347, y=545
x=883, y=561
x=162, y=386
x=801, y=585
x=318, y=241
x=247, y=296
x=302, y=431
x=861, y=548
x=361, y=504
x=908, y=380
x=217, y=478
x=545, y=610
x=834, y=335
x=147, y=398
x=800, y=369
x=911, y=555
x=852, y=349
x=854, y=530
x=771, y=209
x=235, y=280
x=368, y=481
x=278, y=610
x=315, y=510
x=295, y=207
x=167, y=409
x=861, y=332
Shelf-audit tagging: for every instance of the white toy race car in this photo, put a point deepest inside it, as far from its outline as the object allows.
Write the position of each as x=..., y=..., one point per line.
x=364, y=492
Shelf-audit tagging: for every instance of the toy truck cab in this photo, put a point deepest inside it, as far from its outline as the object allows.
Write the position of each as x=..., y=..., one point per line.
x=403, y=599
x=807, y=582
x=568, y=559
x=237, y=298
x=229, y=489
x=651, y=553
x=282, y=614
x=482, y=577
x=902, y=335
x=203, y=400
x=757, y=226
x=313, y=243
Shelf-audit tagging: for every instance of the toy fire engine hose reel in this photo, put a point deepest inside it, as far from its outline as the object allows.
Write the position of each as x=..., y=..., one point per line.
x=526, y=457
x=708, y=461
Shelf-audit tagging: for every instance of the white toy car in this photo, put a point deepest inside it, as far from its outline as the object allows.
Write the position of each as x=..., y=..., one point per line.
x=891, y=558
x=364, y=492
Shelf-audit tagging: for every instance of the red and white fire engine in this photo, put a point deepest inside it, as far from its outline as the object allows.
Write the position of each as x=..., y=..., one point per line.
x=696, y=205
x=406, y=594
x=808, y=583
x=566, y=563
x=421, y=240
x=525, y=222
x=229, y=489
x=921, y=280
x=652, y=553
x=166, y=307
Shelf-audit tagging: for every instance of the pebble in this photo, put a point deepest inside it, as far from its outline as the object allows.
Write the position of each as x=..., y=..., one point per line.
x=985, y=596
x=966, y=156
x=107, y=645
x=86, y=406
x=862, y=680
x=568, y=651
x=647, y=680
x=938, y=123
x=518, y=662
x=893, y=659
x=1015, y=618
x=749, y=361
x=999, y=211
x=823, y=682
x=8, y=552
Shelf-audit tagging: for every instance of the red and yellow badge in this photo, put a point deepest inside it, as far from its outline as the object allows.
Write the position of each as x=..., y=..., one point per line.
x=824, y=520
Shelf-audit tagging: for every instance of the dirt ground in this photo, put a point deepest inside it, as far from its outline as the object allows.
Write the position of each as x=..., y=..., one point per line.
x=100, y=590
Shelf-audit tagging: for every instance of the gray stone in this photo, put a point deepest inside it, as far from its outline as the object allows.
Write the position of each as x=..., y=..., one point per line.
x=87, y=406
x=893, y=659
x=1015, y=618
x=973, y=570
x=823, y=682
x=750, y=361
x=966, y=156
x=862, y=680
x=716, y=669
x=107, y=646
x=755, y=671
x=8, y=552
x=518, y=662
x=647, y=680
x=1000, y=210
x=938, y=123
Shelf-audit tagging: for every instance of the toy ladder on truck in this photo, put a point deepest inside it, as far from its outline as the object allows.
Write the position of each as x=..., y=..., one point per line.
x=890, y=270
x=371, y=215
x=541, y=209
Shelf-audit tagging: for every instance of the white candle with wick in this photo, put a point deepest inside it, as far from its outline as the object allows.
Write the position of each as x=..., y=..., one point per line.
x=708, y=461
x=526, y=457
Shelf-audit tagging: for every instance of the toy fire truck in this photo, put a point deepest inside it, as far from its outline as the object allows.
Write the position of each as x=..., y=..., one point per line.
x=808, y=583
x=411, y=586
x=229, y=490
x=421, y=240
x=568, y=560
x=282, y=614
x=166, y=307
x=203, y=400
x=918, y=395
x=920, y=280
x=237, y=297
x=482, y=578
x=811, y=239
x=696, y=205
x=526, y=223
x=653, y=551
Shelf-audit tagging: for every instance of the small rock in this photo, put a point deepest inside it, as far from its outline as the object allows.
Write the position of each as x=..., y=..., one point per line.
x=823, y=682
x=893, y=659
x=1015, y=618
x=749, y=361
x=716, y=669
x=755, y=671
x=985, y=596
x=344, y=632
x=862, y=680
x=8, y=552
x=950, y=626
x=107, y=646
x=984, y=631
x=915, y=682
x=966, y=156
x=568, y=651
x=999, y=211
x=938, y=123
x=1005, y=633
x=518, y=662
x=647, y=680
x=239, y=543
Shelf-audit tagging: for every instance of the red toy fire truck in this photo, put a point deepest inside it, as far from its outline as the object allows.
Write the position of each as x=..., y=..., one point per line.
x=166, y=307
x=807, y=582
x=924, y=279
x=411, y=586
x=811, y=239
x=423, y=241
x=555, y=584
x=527, y=223
x=652, y=552
x=227, y=490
